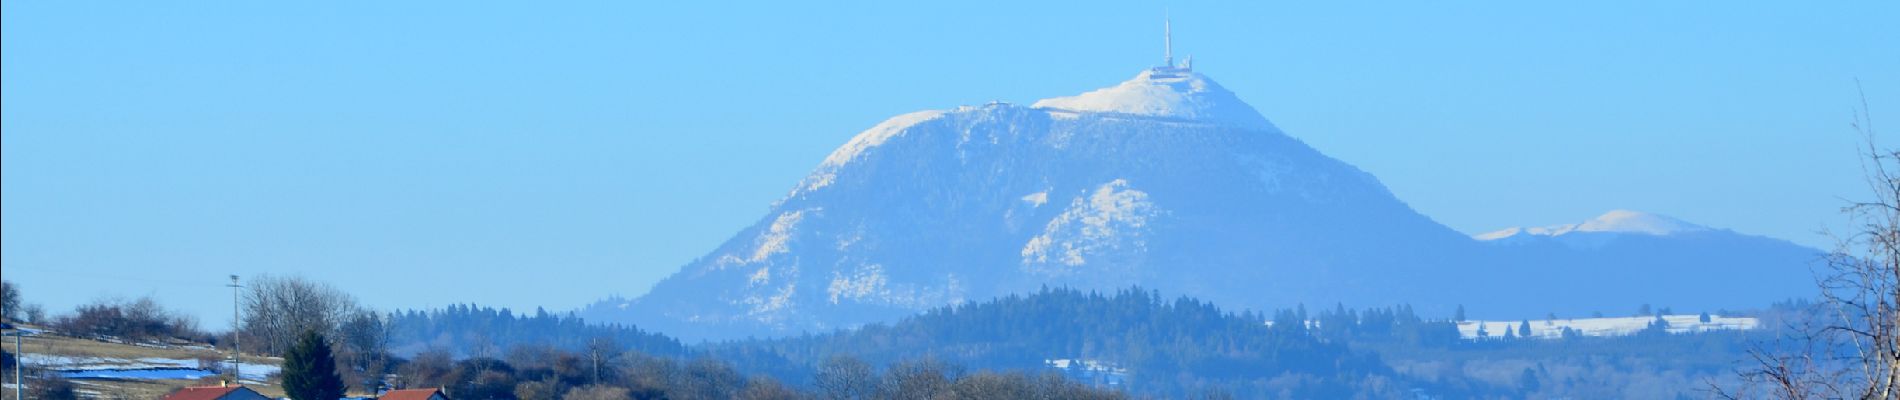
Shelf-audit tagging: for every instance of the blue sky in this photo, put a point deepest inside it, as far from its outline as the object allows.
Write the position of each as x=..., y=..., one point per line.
x=426, y=153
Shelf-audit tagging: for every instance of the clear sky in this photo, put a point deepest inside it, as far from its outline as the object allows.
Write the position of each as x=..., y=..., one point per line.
x=520, y=154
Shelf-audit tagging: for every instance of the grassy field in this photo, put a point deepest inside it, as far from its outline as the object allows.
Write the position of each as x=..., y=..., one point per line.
x=76, y=353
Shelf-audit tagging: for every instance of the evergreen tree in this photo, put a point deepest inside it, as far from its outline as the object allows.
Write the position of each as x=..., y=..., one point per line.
x=1704, y=317
x=1460, y=316
x=1570, y=333
x=1658, y=327
x=310, y=370
x=1524, y=329
x=1528, y=380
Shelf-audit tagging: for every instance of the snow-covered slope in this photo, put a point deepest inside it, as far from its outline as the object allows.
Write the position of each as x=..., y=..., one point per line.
x=1167, y=181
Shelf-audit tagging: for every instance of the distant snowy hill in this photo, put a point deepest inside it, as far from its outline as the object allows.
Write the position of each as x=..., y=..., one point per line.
x=1650, y=258
x=1613, y=222
x=1168, y=181
x=1606, y=326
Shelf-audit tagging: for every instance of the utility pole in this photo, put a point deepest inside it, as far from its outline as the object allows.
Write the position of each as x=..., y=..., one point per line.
x=237, y=348
x=19, y=357
x=19, y=379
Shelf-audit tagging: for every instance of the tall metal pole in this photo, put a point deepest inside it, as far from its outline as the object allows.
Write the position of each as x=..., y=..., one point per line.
x=237, y=348
x=19, y=380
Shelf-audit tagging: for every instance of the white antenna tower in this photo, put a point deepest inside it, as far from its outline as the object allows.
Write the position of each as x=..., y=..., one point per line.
x=1167, y=41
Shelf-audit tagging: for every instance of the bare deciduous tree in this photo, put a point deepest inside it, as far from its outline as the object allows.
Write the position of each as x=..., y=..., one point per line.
x=759, y=388
x=363, y=343
x=596, y=392
x=276, y=309
x=430, y=368
x=140, y=319
x=845, y=377
x=925, y=378
x=600, y=351
x=706, y=379
x=9, y=301
x=1851, y=348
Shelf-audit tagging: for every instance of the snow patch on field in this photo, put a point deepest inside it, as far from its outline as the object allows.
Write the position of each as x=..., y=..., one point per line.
x=139, y=374
x=79, y=367
x=1089, y=370
x=255, y=373
x=1614, y=326
x=71, y=363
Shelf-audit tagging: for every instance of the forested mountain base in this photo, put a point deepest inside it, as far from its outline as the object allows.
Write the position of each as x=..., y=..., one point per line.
x=1134, y=341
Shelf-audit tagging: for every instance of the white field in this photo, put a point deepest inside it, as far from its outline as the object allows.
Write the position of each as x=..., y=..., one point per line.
x=252, y=372
x=1085, y=365
x=1611, y=326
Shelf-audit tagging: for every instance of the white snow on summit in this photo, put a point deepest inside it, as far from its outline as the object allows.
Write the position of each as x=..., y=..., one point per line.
x=1167, y=93
x=1616, y=221
x=877, y=135
x=866, y=140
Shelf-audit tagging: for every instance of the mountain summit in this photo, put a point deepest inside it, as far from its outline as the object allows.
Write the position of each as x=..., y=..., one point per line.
x=1615, y=221
x=1167, y=181
x=1168, y=93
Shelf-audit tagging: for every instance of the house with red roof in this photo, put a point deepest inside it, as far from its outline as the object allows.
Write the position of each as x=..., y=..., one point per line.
x=414, y=394
x=222, y=392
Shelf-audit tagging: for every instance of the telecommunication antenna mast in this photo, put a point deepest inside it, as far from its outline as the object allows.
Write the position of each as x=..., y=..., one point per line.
x=1167, y=41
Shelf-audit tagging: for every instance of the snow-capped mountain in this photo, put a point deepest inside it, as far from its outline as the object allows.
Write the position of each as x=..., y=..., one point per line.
x=1615, y=221
x=1651, y=258
x=1167, y=181
x=1597, y=231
